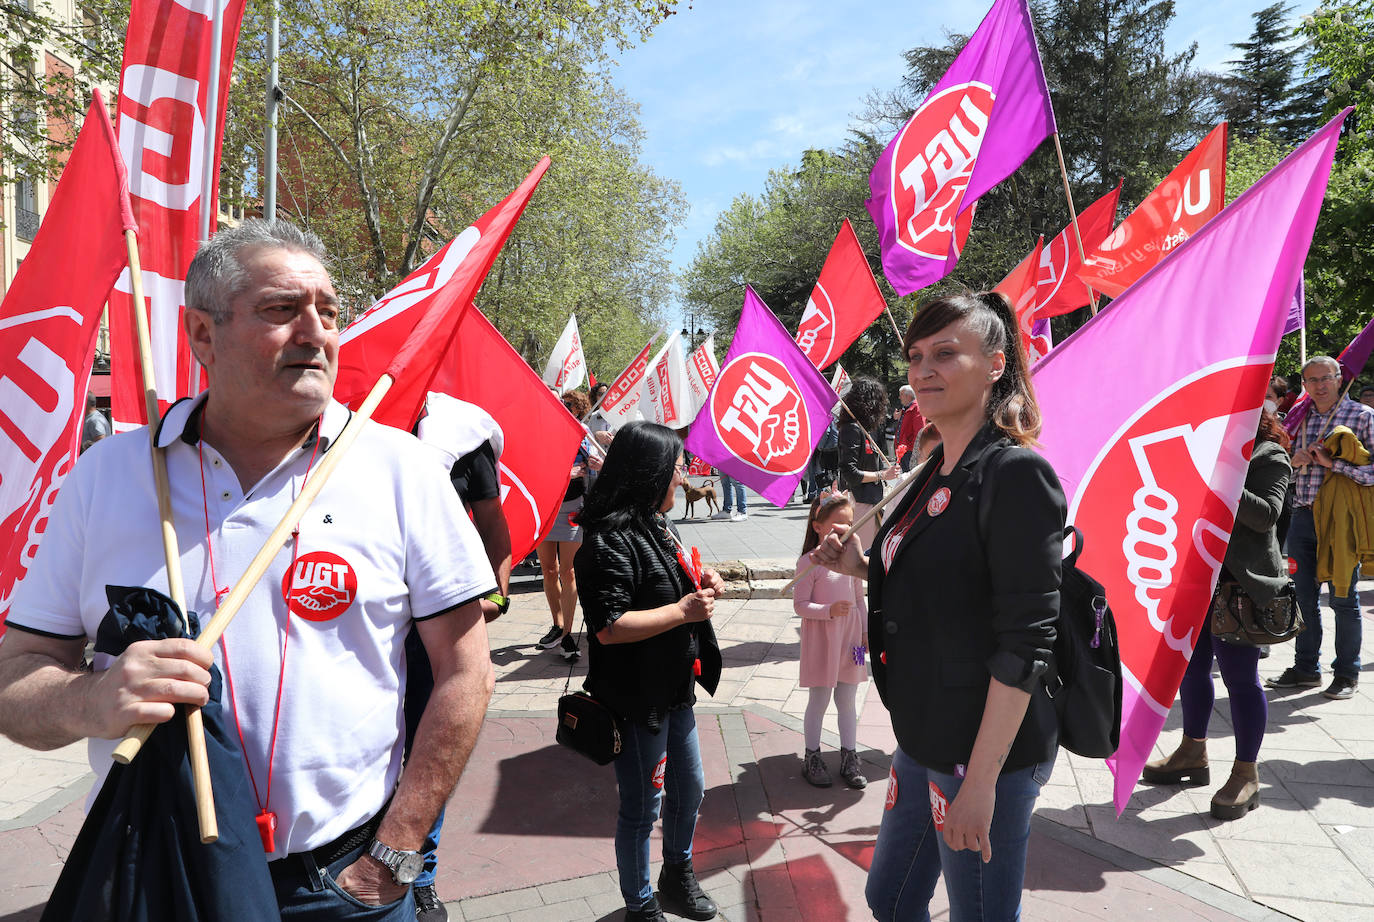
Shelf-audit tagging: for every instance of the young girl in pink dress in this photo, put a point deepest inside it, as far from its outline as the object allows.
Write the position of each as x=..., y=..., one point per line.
x=834, y=642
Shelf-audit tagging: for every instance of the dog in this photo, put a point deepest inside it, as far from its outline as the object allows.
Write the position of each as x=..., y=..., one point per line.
x=706, y=491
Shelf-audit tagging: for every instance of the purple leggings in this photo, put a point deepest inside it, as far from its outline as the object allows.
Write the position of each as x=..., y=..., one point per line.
x=1240, y=672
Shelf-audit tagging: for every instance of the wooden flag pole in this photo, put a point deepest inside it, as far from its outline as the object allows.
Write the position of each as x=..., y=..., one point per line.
x=863, y=520
x=195, y=725
x=1073, y=217
x=872, y=441
x=896, y=329
x=210, y=635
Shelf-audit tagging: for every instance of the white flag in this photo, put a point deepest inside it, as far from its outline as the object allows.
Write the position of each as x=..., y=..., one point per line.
x=839, y=381
x=702, y=371
x=567, y=368
x=667, y=398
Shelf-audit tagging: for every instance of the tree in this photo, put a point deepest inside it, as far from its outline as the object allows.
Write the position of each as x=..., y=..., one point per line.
x=1259, y=95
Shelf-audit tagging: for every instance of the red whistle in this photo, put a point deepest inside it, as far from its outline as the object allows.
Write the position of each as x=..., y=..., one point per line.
x=267, y=829
x=696, y=667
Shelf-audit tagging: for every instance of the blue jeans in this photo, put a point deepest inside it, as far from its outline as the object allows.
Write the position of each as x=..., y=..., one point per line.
x=313, y=896
x=651, y=766
x=911, y=853
x=419, y=686
x=1302, y=547
x=734, y=493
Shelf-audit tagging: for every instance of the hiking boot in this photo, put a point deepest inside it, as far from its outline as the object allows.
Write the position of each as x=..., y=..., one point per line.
x=551, y=639
x=428, y=906
x=850, y=771
x=569, y=648
x=681, y=894
x=1239, y=795
x=1340, y=688
x=1187, y=765
x=649, y=912
x=814, y=770
x=1293, y=678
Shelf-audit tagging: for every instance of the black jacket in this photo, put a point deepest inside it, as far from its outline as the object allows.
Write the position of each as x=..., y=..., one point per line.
x=632, y=569
x=856, y=458
x=958, y=608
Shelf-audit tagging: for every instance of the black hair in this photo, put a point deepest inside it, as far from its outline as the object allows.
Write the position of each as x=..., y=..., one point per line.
x=865, y=403
x=634, y=478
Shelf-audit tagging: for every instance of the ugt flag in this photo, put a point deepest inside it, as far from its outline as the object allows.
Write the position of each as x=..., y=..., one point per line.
x=1188, y=198
x=1153, y=466
x=48, y=323
x=840, y=382
x=987, y=114
x=768, y=410
x=567, y=367
x=407, y=332
x=1058, y=289
x=1020, y=288
x=845, y=301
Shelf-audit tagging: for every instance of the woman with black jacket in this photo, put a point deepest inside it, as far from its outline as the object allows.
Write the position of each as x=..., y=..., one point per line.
x=861, y=468
x=650, y=641
x=962, y=619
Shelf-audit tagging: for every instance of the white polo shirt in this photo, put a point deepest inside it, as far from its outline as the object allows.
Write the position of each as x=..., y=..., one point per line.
x=386, y=542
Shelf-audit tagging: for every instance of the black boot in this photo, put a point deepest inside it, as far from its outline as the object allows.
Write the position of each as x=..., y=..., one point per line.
x=681, y=894
x=649, y=912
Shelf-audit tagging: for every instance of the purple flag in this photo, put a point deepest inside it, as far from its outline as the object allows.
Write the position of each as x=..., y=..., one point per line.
x=1154, y=465
x=767, y=410
x=983, y=119
x=1297, y=311
x=1352, y=358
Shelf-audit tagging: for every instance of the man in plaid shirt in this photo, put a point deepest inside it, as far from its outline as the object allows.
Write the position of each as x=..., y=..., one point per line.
x=1321, y=378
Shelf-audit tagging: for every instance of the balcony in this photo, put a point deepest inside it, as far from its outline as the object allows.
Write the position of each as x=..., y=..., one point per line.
x=26, y=223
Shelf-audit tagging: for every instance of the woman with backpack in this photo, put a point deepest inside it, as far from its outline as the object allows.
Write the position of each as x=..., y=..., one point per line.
x=962, y=618
x=1255, y=568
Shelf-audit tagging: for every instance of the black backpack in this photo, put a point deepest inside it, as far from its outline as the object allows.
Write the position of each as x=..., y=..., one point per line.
x=1086, y=682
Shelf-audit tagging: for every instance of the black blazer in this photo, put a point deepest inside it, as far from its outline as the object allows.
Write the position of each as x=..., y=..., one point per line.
x=857, y=457
x=631, y=569
x=959, y=608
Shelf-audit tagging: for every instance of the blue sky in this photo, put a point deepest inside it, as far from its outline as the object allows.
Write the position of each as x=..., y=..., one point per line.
x=730, y=89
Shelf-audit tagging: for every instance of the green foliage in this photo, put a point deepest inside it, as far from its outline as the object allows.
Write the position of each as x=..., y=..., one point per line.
x=1342, y=41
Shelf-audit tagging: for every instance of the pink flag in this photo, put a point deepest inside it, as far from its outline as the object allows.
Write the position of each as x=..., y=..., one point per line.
x=768, y=410
x=987, y=114
x=48, y=324
x=1154, y=463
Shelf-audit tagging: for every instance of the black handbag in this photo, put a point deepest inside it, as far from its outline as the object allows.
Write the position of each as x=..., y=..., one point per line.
x=587, y=726
x=1236, y=618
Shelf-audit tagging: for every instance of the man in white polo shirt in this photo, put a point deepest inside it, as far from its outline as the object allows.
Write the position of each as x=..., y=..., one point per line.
x=314, y=664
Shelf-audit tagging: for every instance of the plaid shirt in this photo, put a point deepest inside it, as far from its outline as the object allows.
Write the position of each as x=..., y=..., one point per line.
x=1360, y=419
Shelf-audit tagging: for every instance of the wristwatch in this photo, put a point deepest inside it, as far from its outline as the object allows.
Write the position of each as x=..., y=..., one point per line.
x=404, y=866
x=501, y=602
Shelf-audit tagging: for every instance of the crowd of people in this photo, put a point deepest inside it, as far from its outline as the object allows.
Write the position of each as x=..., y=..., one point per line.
x=949, y=600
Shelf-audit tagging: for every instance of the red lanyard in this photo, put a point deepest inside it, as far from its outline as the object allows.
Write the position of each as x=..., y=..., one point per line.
x=913, y=512
x=267, y=819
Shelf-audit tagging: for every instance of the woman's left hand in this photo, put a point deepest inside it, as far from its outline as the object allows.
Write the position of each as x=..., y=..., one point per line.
x=710, y=579
x=969, y=819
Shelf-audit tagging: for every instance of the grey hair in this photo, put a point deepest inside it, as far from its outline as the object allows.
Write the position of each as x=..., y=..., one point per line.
x=1326, y=360
x=908, y=390
x=216, y=274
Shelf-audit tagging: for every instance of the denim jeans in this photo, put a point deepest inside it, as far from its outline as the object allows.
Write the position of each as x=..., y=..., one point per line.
x=419, y=686
x=734, y=493
x=656, y=770
x=311, y=895
x=911, y=853
x=1302, y=547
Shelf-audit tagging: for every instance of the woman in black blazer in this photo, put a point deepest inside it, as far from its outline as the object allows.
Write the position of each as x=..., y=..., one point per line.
x=861, y=468
x=963, y=604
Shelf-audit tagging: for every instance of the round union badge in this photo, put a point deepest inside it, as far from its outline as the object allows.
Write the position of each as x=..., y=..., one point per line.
x=938, y=503
x=324, y=586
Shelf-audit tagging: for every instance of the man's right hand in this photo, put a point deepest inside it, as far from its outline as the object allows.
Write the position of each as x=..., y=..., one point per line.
x=145, y=682
x=699, y=606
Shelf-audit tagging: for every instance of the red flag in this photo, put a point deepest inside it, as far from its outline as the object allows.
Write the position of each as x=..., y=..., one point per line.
x=541, y=435
x=845, y=301
x=407, y=332
x=1019, y=286
x=591, y=379
x=48, y=323
x=163, y=92
x=1059, y=291
x=1188, y=198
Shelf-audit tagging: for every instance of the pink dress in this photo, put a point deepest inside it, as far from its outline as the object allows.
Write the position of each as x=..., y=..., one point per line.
x=827, y=644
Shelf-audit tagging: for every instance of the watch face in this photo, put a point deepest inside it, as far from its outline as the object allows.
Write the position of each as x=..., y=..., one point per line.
x=409, y=868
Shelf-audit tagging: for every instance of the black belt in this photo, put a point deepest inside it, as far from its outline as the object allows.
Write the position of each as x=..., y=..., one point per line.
x=331, y=852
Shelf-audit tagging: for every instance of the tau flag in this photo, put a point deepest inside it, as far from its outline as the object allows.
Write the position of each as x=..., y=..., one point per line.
x=987, y=114
x=845, y=301
x=567, y=367
x=768, y=410
x=1020, y=287
x=1188, y=198
x=1058, y=289
x=1153, y=462
x=48, y=324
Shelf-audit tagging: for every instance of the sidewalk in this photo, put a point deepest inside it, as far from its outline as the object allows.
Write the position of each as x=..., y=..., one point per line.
x=529, y=831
